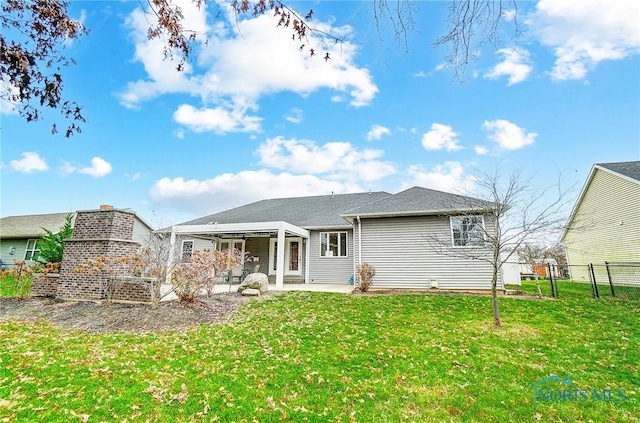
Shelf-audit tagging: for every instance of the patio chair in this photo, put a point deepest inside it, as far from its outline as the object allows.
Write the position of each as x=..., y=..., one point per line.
x=235, y=273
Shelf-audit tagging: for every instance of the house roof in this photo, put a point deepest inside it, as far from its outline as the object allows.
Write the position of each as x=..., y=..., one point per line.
x=305, y=212
x=629, y=169
x=419, y=201
x=30, y=226
x=626, y=170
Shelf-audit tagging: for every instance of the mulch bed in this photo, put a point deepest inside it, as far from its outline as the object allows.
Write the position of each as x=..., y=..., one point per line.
x=104, y=317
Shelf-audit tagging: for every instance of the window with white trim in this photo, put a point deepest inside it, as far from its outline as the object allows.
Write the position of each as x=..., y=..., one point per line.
x=467, y=231
x=333, y=244
x=32, y=251
x=187, y=250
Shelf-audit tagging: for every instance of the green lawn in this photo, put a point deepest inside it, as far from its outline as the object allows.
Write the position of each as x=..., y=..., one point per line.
x=571, y=289
x=12, y=286
x=331, y=357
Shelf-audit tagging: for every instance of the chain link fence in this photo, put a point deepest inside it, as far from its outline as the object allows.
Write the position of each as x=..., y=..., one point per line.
x=608, y=280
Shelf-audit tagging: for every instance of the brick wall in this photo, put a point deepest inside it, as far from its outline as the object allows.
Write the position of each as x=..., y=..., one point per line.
x=96, y=234
x=132, y=289
x=45, y=285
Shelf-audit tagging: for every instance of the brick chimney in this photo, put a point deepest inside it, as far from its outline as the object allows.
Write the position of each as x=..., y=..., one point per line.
x=106, y=207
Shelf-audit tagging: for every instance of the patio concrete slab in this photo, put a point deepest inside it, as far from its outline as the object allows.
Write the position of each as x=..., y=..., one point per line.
x=309, y=287
x=315, y=287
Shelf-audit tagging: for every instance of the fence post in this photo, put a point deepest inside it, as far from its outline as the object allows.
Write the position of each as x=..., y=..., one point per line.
x=606, y=263
x=596, y=294
x=554, y=292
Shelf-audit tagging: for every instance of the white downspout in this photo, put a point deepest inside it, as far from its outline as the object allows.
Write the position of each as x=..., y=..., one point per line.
x=359, y=240
x=307, y=256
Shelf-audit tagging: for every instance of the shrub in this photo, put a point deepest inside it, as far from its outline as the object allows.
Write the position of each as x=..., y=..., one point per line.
x=364, y=276
x=16, y=282
x=200, y=273
x=52, y=244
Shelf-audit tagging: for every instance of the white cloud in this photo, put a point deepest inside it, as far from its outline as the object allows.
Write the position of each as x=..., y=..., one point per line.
x=335, y=160
x=30, y=162
x=377, y=131
x=449, y=177
x=480, y=150
x=294, y=115
x=234, y=189
x=133, y=177
x=216, y=119
x=507, y=135
x=440, y=137
x=99, y=168
x=585, y=33
x=516, y=65
x=420, y=74
x=245, y=60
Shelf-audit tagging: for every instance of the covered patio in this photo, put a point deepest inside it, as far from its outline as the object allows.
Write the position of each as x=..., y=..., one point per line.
x=278, y=233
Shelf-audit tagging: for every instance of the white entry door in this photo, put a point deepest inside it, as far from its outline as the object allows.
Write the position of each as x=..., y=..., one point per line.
x=292, y=256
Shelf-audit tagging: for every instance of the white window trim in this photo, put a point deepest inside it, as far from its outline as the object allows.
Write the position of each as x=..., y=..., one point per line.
x=273, y=253
x=33, y=250
x=231, y=243
x=453, y=241
x=346, y=237
x=193, y=244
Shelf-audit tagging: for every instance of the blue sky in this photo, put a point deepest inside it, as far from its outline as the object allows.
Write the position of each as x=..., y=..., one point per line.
x=252, y=117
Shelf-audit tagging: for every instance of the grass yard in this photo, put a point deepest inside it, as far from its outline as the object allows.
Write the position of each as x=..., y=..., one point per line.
x=336, y=358
x=570, y=289
x=11, y=286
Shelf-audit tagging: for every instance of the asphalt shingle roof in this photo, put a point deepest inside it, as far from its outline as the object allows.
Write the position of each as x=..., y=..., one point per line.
x=305, y=212
x=418, y=200
x=628, y=169
x=30, y=226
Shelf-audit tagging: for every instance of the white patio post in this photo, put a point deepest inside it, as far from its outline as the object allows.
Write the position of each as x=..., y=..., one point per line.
x=172, y=244
x=280, y=258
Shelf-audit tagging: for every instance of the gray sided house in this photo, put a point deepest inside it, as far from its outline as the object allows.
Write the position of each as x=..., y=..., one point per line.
x=19, y=235
x=418, y=238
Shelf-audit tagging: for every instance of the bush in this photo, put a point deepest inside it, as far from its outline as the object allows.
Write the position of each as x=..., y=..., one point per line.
x=52, y=244
x=364, y=276
x=17, y=281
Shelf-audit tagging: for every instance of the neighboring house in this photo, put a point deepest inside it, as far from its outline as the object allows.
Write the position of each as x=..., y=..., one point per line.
x=604, y=225
x=19, y=235
x=418, y=238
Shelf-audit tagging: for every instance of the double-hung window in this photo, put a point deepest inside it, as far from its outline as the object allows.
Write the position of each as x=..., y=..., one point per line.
x=333, y=244
x=467, y=231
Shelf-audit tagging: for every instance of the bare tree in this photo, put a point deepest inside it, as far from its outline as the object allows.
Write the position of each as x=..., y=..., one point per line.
x=499, y=216
x=471, y=26
x=36, y=32
x=32, y=39
x=533, y=255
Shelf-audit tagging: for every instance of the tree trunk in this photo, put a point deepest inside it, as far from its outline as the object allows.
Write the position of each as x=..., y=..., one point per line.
x=538, y=286
x=494, y=298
